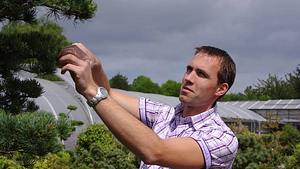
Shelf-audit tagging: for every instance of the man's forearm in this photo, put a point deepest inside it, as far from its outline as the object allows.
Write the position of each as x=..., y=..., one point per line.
x=131, y=132
x=129, y=103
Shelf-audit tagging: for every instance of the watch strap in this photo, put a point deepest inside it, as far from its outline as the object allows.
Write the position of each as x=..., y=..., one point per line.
x=100, y=95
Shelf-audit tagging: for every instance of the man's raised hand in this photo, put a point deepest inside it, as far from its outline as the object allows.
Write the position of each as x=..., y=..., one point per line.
x=83, y=53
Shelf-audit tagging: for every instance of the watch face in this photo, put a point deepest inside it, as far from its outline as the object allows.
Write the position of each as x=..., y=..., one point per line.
x=103, y=92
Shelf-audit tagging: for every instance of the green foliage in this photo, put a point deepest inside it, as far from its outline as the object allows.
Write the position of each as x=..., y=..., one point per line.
x=233, y=97
x=26, y=46
x=170, y=88
x=272, y=122
x=293, y=161
x=289, y=138
x=276, y=150
x=119, y=82
x=32, y=47
x=250, y=93
x=144, y=84
x=60, y=160
x=76, y=123
x=97, y=134
x=271, y=88
x=293, y=80
x=28, y=136
x=66, y=126
x=237, y=127
x=72, y=107
x=274, y=87
x=98, y=148
x=9, y=164
x=14, y=10
x=32, y=133
x=15, y=94
x=37, y=45
x=256, y=151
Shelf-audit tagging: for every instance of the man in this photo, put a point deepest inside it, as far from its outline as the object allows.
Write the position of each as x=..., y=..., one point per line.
x=191, y=135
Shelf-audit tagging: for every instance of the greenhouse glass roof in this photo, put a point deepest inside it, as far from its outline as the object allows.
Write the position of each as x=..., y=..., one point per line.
x=267, y=105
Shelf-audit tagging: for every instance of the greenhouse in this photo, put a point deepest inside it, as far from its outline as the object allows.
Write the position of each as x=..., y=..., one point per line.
x=285, y=111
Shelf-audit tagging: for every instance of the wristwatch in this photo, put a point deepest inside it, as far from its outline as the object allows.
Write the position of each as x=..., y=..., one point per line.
x=101, y=94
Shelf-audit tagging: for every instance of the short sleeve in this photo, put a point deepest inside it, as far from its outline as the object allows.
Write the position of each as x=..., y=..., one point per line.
x=149, y=111
x=219, y=148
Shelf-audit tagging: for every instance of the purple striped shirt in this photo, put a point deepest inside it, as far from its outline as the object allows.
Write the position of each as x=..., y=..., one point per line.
x=217, y=142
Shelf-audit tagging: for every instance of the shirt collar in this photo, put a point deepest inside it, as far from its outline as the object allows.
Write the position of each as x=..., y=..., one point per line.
x=197, y=120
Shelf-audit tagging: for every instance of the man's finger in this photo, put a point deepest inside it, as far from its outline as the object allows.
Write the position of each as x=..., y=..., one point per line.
x=83, y=48
x=66, y=50
x=71, y=68
x=82, y=52
x=74, y=50
x=65, y=59
x=69, y=59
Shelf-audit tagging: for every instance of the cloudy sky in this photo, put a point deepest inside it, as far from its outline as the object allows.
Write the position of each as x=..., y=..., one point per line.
x=157, y=38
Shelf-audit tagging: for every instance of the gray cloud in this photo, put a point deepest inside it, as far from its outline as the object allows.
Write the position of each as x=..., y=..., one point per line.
x=157, y=38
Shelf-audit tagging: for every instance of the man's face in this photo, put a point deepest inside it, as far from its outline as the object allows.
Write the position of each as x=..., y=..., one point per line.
x=200, y=82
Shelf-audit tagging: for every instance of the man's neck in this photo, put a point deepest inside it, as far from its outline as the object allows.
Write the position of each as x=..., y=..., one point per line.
x=192, y=110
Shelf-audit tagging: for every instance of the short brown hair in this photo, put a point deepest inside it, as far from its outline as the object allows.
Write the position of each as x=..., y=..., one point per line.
x=227, y=71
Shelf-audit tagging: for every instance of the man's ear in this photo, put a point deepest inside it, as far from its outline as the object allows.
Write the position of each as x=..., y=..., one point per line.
x=222, y=89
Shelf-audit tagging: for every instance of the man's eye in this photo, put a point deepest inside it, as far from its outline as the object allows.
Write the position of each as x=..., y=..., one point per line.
x=201, y=74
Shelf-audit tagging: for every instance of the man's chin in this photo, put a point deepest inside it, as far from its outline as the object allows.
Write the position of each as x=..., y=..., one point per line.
x=183, y=99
